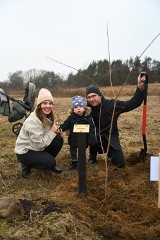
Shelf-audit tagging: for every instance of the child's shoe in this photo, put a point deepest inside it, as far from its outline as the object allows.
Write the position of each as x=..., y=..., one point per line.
x=73, y=165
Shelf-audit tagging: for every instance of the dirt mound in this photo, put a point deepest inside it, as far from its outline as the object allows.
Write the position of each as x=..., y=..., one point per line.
x=124, y=207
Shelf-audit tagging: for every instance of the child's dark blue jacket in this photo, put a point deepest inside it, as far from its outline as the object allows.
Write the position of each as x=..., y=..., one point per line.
x=75, y=119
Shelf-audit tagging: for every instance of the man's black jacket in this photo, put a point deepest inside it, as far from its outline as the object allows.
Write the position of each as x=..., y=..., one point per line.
x=102, y=116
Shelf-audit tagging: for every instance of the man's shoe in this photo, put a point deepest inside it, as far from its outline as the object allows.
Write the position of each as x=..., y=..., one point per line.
x=57, y=169
x=93, y=162
x=73, y=165
x=26, y=172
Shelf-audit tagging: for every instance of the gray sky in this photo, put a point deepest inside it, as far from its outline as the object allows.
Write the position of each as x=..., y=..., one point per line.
x=75, y=32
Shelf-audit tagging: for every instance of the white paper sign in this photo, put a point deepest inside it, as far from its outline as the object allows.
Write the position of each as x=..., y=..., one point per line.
x=81, y=128
x=154, y=168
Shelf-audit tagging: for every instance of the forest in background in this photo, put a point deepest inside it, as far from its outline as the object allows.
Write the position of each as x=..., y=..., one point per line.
x=97, y=71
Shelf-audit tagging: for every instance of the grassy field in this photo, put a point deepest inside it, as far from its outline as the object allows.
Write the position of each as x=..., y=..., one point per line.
x=53, y=207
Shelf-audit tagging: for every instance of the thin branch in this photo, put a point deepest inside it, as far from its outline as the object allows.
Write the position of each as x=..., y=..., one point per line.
x=134, y=65
x=79, y=71
x=114, y=107
x=110, y=78
x=149, y=45
x=115, y=97
x=110, y=70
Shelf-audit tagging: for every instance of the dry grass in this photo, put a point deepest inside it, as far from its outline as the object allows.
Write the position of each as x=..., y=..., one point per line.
x=55, y=210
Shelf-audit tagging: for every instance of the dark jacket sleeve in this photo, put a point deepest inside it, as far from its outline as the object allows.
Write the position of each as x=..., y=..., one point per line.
x=66, y=125
x=91, y=138
x=133, y=103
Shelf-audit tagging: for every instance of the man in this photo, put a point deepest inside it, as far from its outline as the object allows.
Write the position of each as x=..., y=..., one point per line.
x=101, y=111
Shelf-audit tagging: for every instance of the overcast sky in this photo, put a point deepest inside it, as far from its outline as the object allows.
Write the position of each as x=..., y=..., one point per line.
x=75, y=32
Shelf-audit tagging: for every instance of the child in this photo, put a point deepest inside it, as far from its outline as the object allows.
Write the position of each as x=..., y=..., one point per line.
x=80, y=114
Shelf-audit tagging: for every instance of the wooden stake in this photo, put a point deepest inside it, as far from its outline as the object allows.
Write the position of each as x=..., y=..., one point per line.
x=82, y=162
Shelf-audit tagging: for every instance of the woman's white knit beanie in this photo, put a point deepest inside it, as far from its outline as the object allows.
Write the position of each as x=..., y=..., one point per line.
x=44, y=95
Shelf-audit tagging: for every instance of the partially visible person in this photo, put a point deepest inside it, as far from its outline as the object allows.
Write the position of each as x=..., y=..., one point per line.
x=101, y=112
x=39, y=140
x=79, y=114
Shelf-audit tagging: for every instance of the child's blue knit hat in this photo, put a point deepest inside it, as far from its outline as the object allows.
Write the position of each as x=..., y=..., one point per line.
x=78, y=101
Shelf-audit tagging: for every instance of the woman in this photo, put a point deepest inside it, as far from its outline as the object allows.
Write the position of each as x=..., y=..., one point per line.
x=39, y=142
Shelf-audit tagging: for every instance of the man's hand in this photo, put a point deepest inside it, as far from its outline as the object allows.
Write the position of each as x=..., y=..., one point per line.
x=141, y=81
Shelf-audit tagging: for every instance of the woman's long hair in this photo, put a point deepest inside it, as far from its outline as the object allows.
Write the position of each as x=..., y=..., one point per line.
x=41, y=116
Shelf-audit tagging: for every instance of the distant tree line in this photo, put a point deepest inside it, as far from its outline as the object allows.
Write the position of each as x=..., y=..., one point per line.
x=98, y=71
